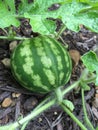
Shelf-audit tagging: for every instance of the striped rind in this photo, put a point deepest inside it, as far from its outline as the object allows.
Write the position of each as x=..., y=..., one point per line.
x=41, y=64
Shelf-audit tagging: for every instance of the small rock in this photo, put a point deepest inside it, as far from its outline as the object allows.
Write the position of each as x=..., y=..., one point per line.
x=6, y=62
x=12, y=45
x=40, y=119
x=55, y=113
x=6, y=102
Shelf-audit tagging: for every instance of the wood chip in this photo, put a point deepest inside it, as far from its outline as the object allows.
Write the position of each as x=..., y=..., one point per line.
x=4, y=120
x=6, y=62
x=16, y=95
x=95, y=112
x=6, y=102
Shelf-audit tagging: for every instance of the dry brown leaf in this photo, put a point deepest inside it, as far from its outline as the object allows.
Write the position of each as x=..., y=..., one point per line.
x=75, y=55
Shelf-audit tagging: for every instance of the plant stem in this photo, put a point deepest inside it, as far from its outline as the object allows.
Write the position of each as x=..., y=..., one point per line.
x=59, y=95
x=44, y=107
x=87, y=77
x=24, y=125
x=85, y=113
x=15, y=38
x=63, y=27
x=66, y=45
x=47, y=103
x=73, y=117
x=34, y=113
x=47, y=99
x=69, y=88
x=90, y=80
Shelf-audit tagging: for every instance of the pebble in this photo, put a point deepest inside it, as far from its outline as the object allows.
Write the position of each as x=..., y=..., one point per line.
x=12, y=45
x=40, y=119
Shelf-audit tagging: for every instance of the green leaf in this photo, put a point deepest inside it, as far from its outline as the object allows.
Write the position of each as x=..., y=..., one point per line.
x=40, y=24
x=97, y=128
x=38, y=16
x=69, y=104
x=24, y=6
x=10, y=4
x=72, y=14
x=7, y=14
x=90, y=60
x=45, y=4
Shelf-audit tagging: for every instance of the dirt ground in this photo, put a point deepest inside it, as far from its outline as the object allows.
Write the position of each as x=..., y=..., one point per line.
x=15, y=101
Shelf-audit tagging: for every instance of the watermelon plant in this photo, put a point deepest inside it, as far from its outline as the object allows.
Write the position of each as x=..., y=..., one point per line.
x=41, y=64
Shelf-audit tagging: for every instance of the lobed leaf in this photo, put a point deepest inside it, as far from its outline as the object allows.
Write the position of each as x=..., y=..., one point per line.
x=90, y=60
x=24, y=6
x=41, y=25
x=72, y=14
x=7, y=14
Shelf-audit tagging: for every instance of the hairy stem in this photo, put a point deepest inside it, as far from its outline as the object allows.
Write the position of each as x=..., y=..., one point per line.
x=13, y=38
x=63, y=27
x=59, y=95
x=69, y=88
x=85, y=112
x=34, y=113
x=90, y=80
x=73, y=117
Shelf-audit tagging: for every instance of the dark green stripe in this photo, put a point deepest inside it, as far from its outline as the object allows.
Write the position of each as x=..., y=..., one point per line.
x=38, y=65
x=49, y=51
x=63, y=52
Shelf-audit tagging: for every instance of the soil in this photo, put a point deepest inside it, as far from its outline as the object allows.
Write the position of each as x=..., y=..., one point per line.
x=16, y=101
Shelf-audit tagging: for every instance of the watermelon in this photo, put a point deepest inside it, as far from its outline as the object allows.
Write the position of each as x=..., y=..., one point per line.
x=41, y=64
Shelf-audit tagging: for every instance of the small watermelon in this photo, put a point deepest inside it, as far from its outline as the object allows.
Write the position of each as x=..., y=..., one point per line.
x=41, y=64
